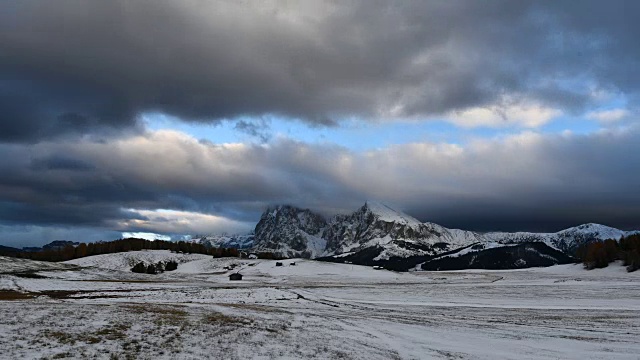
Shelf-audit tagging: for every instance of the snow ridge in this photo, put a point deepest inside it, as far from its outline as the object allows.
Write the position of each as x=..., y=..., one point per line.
x=567, y=240
x=387, y=214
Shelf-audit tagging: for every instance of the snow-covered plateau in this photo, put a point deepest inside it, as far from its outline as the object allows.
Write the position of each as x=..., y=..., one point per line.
x=95, y=307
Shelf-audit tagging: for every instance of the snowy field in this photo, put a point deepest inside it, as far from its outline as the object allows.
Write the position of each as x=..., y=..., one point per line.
x=95, y=308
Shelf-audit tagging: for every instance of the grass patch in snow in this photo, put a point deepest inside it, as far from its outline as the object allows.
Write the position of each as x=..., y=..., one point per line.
x=127, y=281
x=222, y=319
x=111, y=332
x=162, y=315
x=114, y=332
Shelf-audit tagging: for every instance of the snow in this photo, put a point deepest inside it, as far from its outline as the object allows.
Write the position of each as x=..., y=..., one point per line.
x=315, y=310
x=604, y=232
x=601, y=232
x=125, y=261
x=390, y=249
x=315, y=244
x=470, y=249
x=387, y=214
x=343, y=255
x=12, y=265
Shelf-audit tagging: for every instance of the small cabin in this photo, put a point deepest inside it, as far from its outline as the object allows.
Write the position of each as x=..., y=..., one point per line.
x=235, y=277
x=278, y=264
x=253, y=256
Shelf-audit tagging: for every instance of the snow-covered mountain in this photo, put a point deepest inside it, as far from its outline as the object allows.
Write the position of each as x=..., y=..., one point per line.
x=567, y=240
x=291, y=232
x=236, y=241
x=378, y=234
x=391, y=233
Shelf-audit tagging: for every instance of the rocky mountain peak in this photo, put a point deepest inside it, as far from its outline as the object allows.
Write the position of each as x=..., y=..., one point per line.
x=290, y=231
x=375, y=225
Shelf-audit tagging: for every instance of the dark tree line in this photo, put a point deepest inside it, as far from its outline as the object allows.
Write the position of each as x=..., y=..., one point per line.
x=600, y=254
x=123, y=245
x=269, y=256
x=155, y=268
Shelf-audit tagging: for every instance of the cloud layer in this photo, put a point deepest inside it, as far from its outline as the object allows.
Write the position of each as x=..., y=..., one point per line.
x=522, y=181
x=78, y=67
x=78, y=78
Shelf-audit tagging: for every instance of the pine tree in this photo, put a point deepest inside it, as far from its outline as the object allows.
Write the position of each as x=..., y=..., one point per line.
x=81, y=250
x=139, y=268
x=151, y=269
x=171, y=265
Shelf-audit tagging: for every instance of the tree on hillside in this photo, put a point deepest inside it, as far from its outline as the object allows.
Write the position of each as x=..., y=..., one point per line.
x=139, y=268
x=630, y=247
x=151, y=269
x=81, y=250
x=171, y=265
x=595, y=256
x=599, y=254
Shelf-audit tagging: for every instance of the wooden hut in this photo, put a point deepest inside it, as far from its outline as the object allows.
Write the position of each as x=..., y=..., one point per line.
x=235, y=276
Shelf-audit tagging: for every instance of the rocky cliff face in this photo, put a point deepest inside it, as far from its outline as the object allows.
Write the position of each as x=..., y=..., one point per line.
x=393, y=232
x=291, y=232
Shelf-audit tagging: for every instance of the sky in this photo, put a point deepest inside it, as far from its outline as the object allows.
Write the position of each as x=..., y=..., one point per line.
x=174, y=118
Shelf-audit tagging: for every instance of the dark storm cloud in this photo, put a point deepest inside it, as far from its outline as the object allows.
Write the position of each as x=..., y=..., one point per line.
x=60, y=163
x=66, y=212
x=33, y=108
x=92, y=66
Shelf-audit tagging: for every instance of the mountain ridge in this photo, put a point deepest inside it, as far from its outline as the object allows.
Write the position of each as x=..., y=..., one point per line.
x=375, y=233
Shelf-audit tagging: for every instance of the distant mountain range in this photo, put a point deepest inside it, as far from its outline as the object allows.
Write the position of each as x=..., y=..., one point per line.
x=236, y=241
x=54, y=245
x=376, y=234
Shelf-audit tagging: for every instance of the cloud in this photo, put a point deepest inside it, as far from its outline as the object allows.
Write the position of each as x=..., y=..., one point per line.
x=608, y=116
x=60, y=163
x=75, y=68
x=76, y=77
x=182, y=222
x=512, y=115
x=526, y=181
